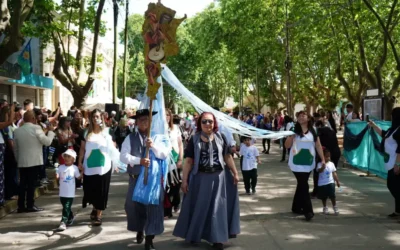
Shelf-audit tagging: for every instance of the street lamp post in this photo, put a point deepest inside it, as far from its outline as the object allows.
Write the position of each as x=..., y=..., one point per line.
x=288, y=65
x=125, y=54
x=115, y=76
x=258, y=87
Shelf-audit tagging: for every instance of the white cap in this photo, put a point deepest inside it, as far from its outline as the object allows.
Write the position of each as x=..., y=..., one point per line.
x=70, y=152
x=113, y=112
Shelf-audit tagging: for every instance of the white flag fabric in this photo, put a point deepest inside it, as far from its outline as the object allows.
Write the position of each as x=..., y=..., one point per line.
x=234, y=125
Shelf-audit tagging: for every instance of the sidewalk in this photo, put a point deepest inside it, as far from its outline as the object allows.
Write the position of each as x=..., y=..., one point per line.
x=266, y=220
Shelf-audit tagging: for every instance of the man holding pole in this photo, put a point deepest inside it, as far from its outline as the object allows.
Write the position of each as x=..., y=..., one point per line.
x=145, y=219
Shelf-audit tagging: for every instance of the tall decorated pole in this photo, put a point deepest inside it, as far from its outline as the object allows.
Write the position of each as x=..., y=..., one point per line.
x=159, y=34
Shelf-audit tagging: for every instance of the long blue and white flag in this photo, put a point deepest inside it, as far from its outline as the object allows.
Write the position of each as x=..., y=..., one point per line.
x=234, y=125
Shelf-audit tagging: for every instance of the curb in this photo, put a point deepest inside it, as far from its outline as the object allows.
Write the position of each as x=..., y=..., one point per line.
x=12, y=205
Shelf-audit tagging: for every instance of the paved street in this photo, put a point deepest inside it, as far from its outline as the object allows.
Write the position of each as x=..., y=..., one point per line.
x=266, y=220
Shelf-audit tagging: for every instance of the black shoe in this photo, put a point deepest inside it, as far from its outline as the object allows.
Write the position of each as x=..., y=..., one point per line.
x=264, y=151
x=98, y=222
x=309, y=216
x=148, y=245
x=139, y=237
x=21, y=210
x=218, y=246
x=93, y=214
x=297, y=212
x=282, y=160
x=34, y=209
x=394, y=215
x=267, y=153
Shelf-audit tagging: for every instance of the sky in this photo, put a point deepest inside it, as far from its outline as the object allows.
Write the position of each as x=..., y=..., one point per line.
x=182, y=7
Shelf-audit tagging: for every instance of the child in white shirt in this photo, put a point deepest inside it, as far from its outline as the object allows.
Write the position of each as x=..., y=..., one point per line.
x=326, y=182
x=66, y=174
x=250, y=158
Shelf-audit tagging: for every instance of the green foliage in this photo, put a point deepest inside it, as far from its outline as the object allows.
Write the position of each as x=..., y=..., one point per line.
x=49, y=16
x=338, y=49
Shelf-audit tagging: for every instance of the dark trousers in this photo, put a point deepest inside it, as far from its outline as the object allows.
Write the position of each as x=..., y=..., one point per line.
x=42, y=169
x=10, y=180
x=67, y=214
x=393, y=184
x=302, y=201
x=315, y=181
x=268, y=141
x=174, y=199
x=28, y=178
x=250, y=179
x=284, y=149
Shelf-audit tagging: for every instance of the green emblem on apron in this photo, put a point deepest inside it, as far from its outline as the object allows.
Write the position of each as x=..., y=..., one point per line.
x=386, y=157
x=304, y=158
x=96, y=159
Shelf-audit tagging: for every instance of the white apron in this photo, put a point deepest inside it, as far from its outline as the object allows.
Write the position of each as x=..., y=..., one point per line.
x=390, y=152
x=302, y=154
x=97, y=160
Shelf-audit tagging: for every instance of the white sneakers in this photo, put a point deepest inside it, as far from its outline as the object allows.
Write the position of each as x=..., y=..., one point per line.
x=325, y=210
x=336, y=209
x=62, y=227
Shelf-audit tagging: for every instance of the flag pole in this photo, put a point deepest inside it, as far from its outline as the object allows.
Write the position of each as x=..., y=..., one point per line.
x=159, y=33
x=146, y=170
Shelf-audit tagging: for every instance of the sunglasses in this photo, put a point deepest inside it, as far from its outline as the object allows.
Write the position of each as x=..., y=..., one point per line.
x=207, y=121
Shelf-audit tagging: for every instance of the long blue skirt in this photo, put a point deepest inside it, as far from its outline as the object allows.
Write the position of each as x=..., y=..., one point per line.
x=210, y=209
x=144, y=218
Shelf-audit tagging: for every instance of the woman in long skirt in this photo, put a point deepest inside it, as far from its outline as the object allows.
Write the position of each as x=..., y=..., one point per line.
x=210, y=208
x=96, y=153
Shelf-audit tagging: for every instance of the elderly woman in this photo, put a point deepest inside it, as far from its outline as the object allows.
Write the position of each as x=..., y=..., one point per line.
x=210, y=208
x=95, y=156
x=303, y=145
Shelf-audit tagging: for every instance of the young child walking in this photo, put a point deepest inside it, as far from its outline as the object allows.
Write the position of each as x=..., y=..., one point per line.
x=250, y=159
x=66, y=174
x=326, y=183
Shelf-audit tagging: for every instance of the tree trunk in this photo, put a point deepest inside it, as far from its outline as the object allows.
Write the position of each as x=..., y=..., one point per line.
x=4, y=16
x=79, y=98
x=14, y=39
x=388, y=106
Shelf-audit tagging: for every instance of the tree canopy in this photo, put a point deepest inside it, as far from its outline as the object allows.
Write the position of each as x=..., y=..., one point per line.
x=338, y=48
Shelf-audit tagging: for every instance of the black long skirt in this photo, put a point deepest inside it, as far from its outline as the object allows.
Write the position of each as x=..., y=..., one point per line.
x=95, y=190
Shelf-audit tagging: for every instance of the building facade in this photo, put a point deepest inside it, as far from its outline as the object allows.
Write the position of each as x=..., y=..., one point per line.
x=17, y=87
x=40, y=86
